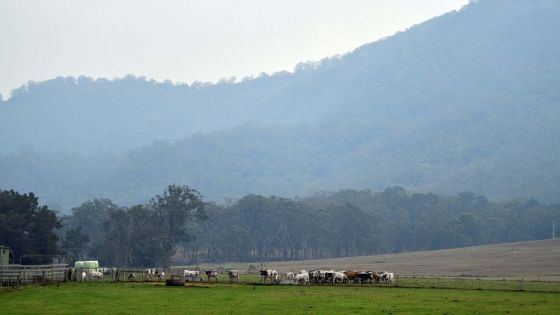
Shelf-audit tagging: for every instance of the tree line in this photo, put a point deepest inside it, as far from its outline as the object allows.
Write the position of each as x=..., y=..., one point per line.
x=351, y=223
x=180, y=226
x=142, y=235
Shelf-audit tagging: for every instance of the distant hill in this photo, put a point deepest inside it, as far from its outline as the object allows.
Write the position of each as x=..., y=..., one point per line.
x=468, y=101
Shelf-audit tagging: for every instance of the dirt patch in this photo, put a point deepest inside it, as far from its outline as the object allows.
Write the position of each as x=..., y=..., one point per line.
x=535, y=260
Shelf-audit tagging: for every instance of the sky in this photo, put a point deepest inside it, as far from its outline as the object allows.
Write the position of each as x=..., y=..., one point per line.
x=187, y=40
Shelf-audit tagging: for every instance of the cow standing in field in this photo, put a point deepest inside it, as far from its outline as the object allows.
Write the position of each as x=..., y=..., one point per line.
x=148, y=274
x=233, y=275
x=339, y=277
x=96, y=275
x=275, y=276
x=377, y=277
x=289, y=276
x=212, y=274
x=270, y=275
x=313, y=276
x=352, y=276
x=191, y=274
x=365, y=277
x=387, y=277
x=264, y=275
x=132, y=276
x=302, y=277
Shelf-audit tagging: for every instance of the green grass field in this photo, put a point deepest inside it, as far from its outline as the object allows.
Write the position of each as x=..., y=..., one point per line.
x=222, y=298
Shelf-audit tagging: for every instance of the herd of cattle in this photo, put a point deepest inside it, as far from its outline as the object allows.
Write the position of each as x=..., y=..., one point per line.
x=268, y=276
x=303, y=276
x=327, y=276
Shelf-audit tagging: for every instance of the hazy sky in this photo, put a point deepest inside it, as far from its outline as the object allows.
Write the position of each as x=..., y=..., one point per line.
x=184, y=40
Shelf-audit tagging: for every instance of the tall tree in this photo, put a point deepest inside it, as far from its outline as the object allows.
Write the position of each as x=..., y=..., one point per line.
x=173, y=210
x=29, y=229
x=74, y=244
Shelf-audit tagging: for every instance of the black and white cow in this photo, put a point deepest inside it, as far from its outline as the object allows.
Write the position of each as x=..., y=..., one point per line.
x=212, y=274
x=233, y=275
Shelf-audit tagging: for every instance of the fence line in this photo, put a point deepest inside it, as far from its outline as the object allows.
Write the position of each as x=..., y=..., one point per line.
x=25, y=274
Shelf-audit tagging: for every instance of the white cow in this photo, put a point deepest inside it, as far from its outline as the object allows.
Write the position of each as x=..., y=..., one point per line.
x=148, y=274
x=233, y=275
x=96, y=275
x=191, y=274
x=289, y=276
x=274, y=276
x=302, y=278
x=339, y=277
x=387, y=277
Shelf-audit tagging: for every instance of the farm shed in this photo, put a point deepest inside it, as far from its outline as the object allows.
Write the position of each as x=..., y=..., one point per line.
x=5, y=255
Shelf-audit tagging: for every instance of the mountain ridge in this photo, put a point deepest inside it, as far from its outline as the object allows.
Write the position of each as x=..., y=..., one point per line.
x=463, y=102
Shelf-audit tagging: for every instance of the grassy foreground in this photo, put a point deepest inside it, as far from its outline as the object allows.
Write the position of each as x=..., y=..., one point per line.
x=145, y=298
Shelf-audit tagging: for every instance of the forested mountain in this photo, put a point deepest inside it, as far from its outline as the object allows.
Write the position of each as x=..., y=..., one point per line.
x=468, y=101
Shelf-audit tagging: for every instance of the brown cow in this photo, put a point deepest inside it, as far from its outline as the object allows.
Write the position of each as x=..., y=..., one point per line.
x=377, y=277
x=352, y=276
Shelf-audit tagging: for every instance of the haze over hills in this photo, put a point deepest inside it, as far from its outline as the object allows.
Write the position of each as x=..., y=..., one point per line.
x=468, y=101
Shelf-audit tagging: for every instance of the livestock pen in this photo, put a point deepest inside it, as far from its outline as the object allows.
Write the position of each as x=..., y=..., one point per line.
x=26, y=274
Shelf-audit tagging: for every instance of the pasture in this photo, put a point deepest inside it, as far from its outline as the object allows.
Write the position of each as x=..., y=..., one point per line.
x=496, y=297
x=533, y=260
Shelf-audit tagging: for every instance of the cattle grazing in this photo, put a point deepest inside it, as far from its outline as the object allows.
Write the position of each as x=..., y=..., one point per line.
x=191, y=274
x=302, y=278
x=365, y=277
x=339, y=277
x=352, y=276
x=233, y=275
x=212, y=274
x=321, y=276
x=328, y=276
x=96, y=275
x=377, y=277
x=275, y=276
x=132, y=276
x=289, y=276
x=314, y=276
x=148, y=275
x=270, y=275
x=387, y=277
x=264, y=275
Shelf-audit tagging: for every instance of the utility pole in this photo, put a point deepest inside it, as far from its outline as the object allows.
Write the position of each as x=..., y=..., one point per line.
x=553, y=230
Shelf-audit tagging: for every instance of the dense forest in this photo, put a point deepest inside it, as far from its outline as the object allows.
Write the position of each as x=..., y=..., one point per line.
x=467, y=101
x=180, y=227
x=350, y=223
